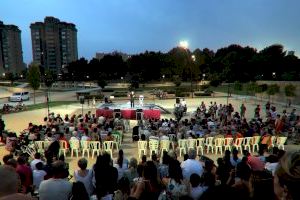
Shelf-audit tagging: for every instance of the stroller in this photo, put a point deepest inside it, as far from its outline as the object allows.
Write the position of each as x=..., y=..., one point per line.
x=135, y=133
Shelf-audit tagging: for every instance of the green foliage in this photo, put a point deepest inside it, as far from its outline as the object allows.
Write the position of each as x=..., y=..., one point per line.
x=134, y=82
x=120, y=94
x=251, y=87
x=177, y=81
x=204, y=87
x=101, y=82
x=273, y=89
x=11, y=77
x=34, y=76
x=181, y=92
x=49, y=78
x=96, y=96
x=263, y=87
x=237, y=86
x=290, y=90
x=215, y=80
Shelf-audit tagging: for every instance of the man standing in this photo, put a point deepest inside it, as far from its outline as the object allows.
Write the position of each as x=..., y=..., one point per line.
x=131, y=95
x=243, y=111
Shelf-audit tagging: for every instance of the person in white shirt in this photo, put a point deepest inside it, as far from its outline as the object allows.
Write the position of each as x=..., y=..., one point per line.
x=85, y=136
x=74, y=136
x=191, y=166
x=85, y=175
x=101, y=120
x=38, y=175
x=56, y=187
x=37, y=159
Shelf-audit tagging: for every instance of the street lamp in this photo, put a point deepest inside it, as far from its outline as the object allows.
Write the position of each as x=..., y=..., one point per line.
x=3, y=74
x=274, y=75
x=184, y=44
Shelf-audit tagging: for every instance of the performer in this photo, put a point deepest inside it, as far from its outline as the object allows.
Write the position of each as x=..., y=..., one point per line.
x=141, y=100
x=132, y=99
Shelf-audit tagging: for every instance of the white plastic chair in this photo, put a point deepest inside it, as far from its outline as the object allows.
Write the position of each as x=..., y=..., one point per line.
x=219, y=143
x=247, y=143
x=63, y=147
x=273, y=141
x=280, y=142
x=228, y=143
x=173, y=139
x=75, y=146
x=182, y=143
x=85, y=147
x=117, y=140
x=255, y=142
x=40, y=146
x=164, y=146
x=142, y=148
x=200, y=145
x=238, y=144
x=191, y=144
x=209, y=144
x=108, y=147
x=96, y=148
x=153, y=147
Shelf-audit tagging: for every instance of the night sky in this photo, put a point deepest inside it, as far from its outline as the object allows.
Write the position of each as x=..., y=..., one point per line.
x=133, y=26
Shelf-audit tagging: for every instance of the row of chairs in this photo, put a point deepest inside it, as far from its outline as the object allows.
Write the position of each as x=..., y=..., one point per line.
x=213, y=144
x=85, y=147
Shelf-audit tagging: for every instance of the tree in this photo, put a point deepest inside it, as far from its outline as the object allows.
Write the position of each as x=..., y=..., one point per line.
x=34, y=78
x=272, y=90
x=49, y=79
x=11, y=77
x=290, y=91
x=177, y=80
x=237, y=86
x=101, y=82
x=251, y=88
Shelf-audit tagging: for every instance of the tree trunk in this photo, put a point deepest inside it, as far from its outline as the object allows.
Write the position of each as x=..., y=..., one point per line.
x=33, y=96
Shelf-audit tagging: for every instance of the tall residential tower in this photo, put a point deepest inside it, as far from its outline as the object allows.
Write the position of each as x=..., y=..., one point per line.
x=54, y=43
x=11, y=58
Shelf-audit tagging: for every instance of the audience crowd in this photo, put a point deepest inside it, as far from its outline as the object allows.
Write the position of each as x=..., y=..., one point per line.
x=271, y=174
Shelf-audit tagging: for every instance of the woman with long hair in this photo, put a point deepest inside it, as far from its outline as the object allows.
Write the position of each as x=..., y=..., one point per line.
x=121, y=164
x=148, y=187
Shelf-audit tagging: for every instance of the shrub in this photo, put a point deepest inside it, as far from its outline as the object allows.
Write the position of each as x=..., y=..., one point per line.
x=204, y=87
x=290, y=90
x=107, y=90
x=237, y=86
x=96, y=96
x=119, y=94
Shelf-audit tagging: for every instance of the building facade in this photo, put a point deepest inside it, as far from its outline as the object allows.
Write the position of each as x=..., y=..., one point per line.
x=11, y=56
x=54, y=43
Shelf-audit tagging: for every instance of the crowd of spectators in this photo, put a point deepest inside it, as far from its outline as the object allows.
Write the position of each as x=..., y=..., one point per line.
x=272, y=174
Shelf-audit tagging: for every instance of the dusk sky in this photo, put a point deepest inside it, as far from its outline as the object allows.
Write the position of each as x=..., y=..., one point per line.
x=133, y=26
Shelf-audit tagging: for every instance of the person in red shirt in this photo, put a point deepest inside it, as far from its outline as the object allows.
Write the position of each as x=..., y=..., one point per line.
x=25, y=174
x=254, y=162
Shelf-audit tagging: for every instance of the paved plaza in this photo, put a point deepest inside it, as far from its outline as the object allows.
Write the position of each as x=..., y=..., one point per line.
x=19, y=121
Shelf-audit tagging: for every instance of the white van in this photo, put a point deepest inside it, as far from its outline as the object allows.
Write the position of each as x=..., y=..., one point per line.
x=19, y=96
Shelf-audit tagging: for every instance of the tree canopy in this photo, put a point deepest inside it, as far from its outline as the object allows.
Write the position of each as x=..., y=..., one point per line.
x=227, y=64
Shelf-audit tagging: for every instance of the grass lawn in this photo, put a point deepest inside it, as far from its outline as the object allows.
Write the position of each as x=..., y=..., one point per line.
x=224, y=89
x=51, y=104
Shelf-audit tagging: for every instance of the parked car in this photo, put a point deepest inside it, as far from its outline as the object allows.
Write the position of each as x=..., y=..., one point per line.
x=19, y=96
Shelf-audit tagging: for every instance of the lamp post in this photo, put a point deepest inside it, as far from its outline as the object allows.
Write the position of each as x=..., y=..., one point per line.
x=193, y=59
x=274, y=75
x=184, y=45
